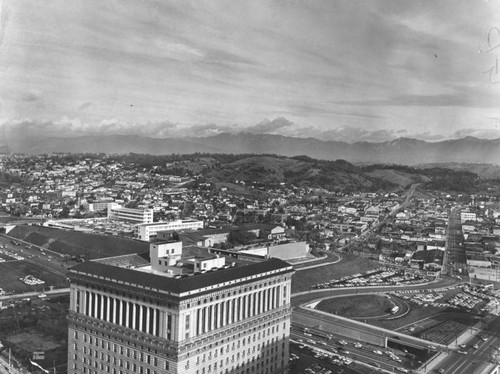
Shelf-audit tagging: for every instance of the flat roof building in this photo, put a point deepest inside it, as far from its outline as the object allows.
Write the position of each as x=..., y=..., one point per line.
x=134, y=215
x=150, y=230
x=178, y=313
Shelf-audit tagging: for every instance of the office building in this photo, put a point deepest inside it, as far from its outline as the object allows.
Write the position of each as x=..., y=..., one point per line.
x=178, y=313
x=133, y=215
x=148, y=231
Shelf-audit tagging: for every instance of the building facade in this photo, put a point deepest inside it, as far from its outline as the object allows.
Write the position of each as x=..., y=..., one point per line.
x=232, y=319
x=134, y=215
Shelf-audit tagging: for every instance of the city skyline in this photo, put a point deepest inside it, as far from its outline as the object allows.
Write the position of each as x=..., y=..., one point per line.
x=372, y=71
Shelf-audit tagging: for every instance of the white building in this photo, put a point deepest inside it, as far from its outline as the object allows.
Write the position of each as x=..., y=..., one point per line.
x=148, y=231
x=136, y=215
x=467, y=216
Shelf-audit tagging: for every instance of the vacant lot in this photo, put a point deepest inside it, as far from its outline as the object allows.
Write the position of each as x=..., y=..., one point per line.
x=356, y=306
x=303, y=280
x=31, y=341
x=11, y=271
x=37, y=325
x=74, y=243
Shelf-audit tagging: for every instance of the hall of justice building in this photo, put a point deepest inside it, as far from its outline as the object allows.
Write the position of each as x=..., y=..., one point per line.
x=174, y=312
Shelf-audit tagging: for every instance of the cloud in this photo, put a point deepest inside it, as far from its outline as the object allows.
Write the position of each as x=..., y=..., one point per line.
x=86, y=106
x=477, y=133
x=269, y=126
x=30, y=96
x=4, y=18
x=467, y=98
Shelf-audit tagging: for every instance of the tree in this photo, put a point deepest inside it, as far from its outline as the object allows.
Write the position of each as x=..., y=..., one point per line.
x=241, y=237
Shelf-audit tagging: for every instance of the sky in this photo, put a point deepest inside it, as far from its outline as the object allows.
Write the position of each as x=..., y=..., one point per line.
x=344, y=70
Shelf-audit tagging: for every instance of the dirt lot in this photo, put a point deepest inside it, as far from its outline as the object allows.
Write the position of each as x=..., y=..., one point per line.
x=37, y=325
x=32, y=341
x=11, y=271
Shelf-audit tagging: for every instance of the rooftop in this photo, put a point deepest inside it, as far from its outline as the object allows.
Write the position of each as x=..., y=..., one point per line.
x=196, y=281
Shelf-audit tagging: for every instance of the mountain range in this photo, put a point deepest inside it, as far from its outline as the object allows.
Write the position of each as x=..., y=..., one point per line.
x=400, y=151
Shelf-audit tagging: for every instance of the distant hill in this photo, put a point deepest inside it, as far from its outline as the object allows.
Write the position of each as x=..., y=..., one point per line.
x=484, y=171
x=400, y=151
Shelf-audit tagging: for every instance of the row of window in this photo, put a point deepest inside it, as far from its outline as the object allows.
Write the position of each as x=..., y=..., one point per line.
x=234, y=310
x=89, y=351
x=124, y=313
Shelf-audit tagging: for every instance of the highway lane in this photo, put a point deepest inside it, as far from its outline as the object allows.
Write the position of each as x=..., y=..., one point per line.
x=57, y=292
x=363, y=354
x=34, y=255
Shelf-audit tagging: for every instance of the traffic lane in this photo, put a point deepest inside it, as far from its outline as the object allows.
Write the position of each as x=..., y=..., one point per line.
x=464, y=363
x=341, y=344
x=363, y=355
x=53, y=293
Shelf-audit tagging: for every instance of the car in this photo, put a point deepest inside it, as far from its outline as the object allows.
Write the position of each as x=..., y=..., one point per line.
x=343, y=342
x=358, y=345
x=475, y=346
x=376, y=351
x=462, y=352
x=402, y=370
x=484, y=338
x=376, y=364
x=462, y=346
x=441, y=371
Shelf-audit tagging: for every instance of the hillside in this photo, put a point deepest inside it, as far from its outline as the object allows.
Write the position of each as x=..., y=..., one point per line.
x=484, y=171
x=397, y=177
x=299, y=171
x=79, y=244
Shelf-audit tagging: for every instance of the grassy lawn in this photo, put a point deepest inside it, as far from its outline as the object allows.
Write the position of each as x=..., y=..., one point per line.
x=303, y=280
x=356, y=306
x=11, y=271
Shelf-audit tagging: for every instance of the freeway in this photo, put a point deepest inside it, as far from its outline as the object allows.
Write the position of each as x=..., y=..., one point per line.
x=57, y=292
x=352, y=349
x=32, y=253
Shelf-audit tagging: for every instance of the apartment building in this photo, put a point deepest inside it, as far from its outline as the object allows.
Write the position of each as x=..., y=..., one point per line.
x=179, y=314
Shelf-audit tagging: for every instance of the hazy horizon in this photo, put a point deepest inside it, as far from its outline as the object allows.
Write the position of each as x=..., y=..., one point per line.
x=333, y=70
